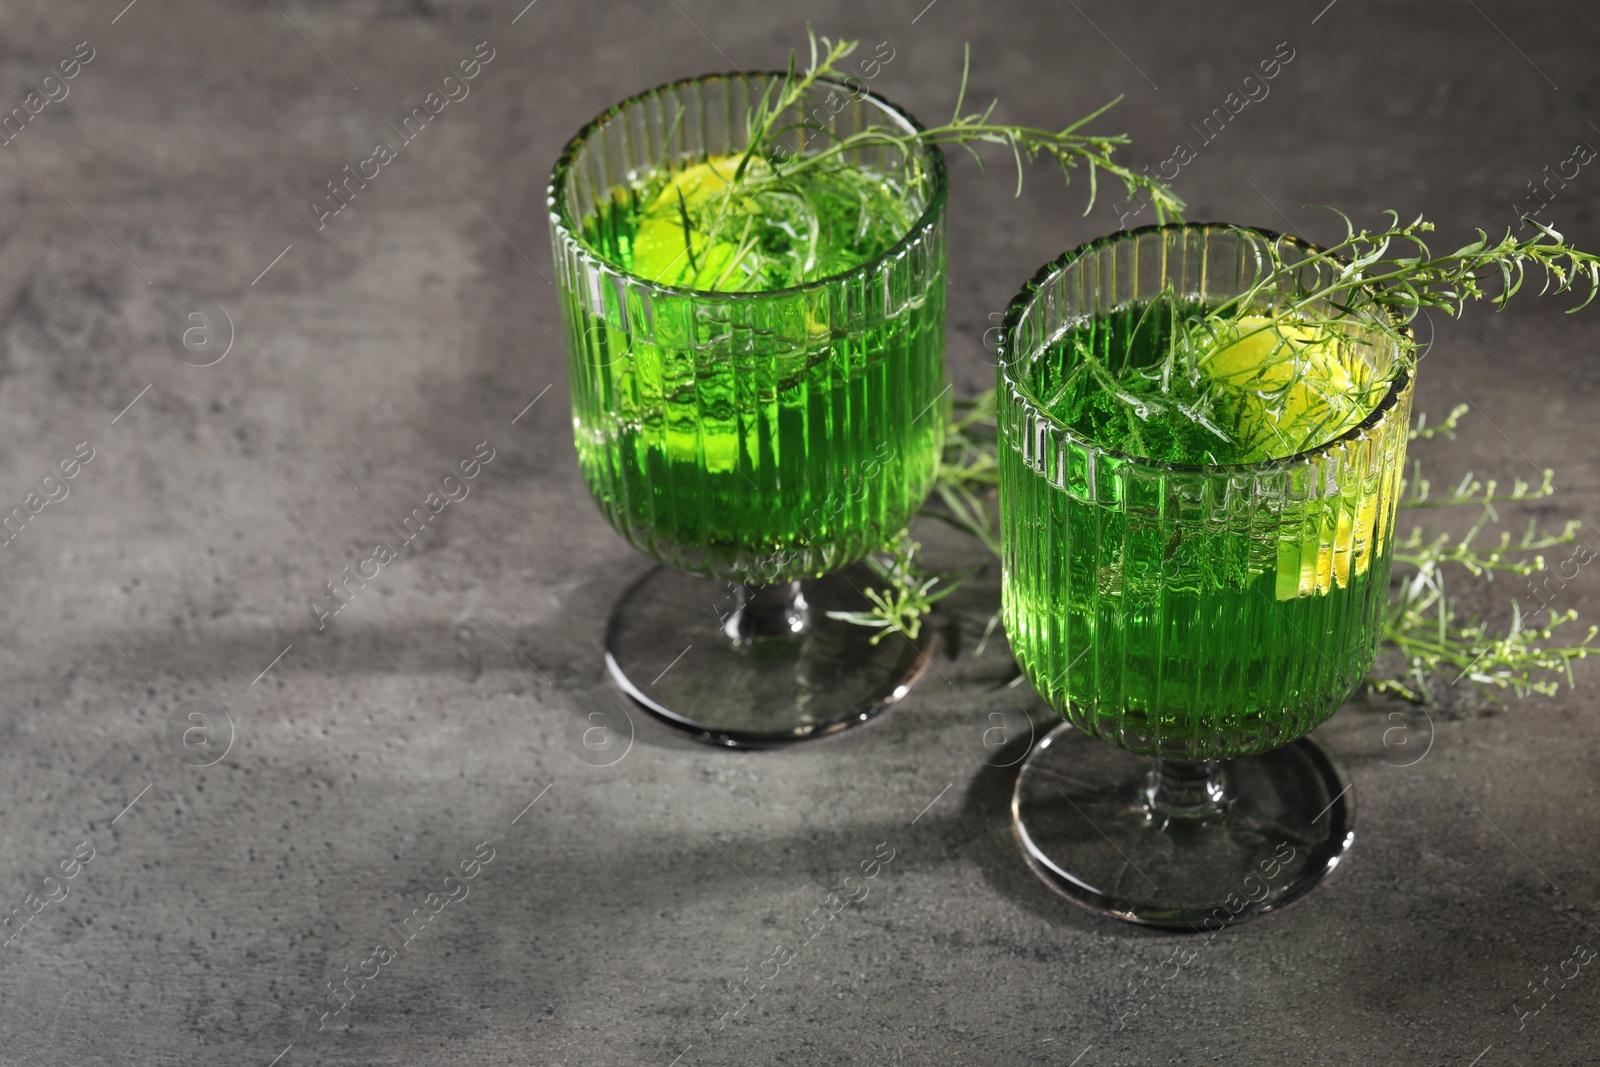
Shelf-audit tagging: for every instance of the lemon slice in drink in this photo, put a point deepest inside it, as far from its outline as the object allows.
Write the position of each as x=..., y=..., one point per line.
x=1305, y=568
x=660, y=253
x=1292, y=388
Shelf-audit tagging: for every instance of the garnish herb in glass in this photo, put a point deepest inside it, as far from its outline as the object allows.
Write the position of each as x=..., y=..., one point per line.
x=752, y=275
x=796, y=204
x=1260, y=381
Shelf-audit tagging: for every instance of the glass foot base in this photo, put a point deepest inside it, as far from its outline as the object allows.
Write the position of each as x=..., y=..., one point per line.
x=1082, y=815
x=730, y=668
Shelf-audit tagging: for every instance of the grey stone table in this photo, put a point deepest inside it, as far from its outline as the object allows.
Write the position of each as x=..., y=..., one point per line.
x=438, y=721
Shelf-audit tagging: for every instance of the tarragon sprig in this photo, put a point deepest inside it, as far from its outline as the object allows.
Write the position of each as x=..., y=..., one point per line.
x=908, y=596
x=1434, y=644
x=1421, y=431
x=968, y=478
x=1472, y=491
x=1066, y=147
x=1425, y=640
x=1368, y=271
x=1377, y=278
x=1364, y=274
x=969, y=472
x=769, y=167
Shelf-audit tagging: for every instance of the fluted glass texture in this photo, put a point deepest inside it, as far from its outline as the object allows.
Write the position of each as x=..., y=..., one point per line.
x=1187, y=611
x=752, y=436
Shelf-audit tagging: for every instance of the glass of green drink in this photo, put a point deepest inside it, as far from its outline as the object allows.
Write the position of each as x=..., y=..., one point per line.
x=756, y=352
x=1197, y=502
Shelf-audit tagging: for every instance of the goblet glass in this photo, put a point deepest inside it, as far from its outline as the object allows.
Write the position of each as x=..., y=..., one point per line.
x=1190, y=621
x=758, y=443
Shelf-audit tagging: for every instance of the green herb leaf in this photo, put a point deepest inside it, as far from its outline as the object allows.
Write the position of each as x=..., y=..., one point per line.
x=766, y=173
x=1425, y=639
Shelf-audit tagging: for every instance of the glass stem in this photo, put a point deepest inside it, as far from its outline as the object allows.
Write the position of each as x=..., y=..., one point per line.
x=767, y=611
x=1186, y=789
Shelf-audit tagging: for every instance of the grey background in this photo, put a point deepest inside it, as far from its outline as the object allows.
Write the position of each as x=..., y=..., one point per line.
x=456, y=689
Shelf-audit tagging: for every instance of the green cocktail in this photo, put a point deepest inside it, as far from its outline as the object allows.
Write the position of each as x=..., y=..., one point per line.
x=1198, y=615
x=756, y=353
x=1197, y=520
x=768, y=438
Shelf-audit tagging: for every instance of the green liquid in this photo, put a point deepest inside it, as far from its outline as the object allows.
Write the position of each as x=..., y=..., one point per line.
x=1173, y=614
x=1157, y=382
x=775, y=436
x=683, y=229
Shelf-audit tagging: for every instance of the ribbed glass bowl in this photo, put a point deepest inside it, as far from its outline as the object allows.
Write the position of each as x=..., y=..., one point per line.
x=765, y=435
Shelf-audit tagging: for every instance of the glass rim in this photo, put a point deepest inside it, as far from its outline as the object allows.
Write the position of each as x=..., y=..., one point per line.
x=1402, y=377
x=932, y=154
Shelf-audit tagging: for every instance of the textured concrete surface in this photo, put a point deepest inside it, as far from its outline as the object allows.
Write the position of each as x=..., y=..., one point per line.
x=355, y=769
